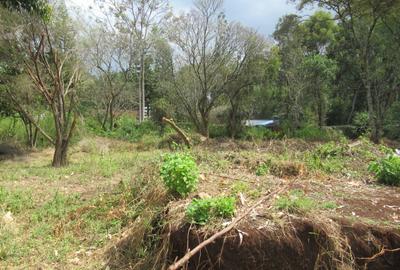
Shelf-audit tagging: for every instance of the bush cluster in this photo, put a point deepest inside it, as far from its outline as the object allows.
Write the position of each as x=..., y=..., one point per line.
x=200, y=211
x=180, y=173
x=387, y=170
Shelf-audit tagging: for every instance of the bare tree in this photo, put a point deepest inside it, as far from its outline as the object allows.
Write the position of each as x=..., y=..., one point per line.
x=212, y=53
x=108, y=54
x=140, y=18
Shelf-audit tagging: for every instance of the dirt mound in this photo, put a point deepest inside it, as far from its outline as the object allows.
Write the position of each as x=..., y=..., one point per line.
x=303, y=245
x=9, y=151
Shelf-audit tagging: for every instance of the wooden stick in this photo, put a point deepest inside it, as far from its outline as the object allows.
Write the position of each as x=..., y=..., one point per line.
x=191, y=253
x=180, y=131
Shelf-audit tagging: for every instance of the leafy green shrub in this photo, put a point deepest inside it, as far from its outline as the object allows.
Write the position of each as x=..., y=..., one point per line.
x=387, y=170
x=180, y=173
x=294, y=202
x=200, y=211
x=224, y=207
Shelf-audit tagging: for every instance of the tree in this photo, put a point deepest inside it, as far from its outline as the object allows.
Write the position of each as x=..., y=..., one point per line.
x=140, y=18
x=211, y=54
x=361, y=21
x=109, y=55
x=240, y=91
x=320, y=72
x=49, y=58
x=291, y=80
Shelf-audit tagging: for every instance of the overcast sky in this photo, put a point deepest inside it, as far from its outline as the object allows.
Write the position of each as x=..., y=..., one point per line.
x=259, y=14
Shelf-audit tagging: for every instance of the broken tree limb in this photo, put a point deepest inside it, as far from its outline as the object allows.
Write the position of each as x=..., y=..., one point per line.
x=177, y=129
x=180, y=263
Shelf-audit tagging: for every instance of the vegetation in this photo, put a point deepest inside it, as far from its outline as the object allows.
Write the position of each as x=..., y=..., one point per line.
x=89, y=93
x=387, y=170
x=200, y=211
x=180, y=174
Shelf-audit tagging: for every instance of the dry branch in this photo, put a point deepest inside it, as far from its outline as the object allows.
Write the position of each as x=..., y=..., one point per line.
x=191, y=253
x=179, y=130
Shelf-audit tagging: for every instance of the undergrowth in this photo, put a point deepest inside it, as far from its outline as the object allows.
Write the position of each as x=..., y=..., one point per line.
x=387, y=170
x=200, y=211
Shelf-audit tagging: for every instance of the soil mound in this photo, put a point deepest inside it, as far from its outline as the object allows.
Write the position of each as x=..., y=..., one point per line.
x=8, y=151
x=304, y=245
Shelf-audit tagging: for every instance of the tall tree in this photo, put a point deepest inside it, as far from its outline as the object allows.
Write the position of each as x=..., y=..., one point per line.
x=211, y=54
x=361, y=21
x=140, y=18
x=50, y=60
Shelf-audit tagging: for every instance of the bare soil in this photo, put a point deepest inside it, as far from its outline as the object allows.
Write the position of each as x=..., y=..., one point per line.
x=303, y=245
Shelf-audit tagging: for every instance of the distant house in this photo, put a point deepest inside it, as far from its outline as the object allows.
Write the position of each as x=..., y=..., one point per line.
x=267, y=123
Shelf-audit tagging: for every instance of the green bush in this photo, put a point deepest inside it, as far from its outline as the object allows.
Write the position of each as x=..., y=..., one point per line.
x=180, y=173
x=200, y=211
x=387, y=170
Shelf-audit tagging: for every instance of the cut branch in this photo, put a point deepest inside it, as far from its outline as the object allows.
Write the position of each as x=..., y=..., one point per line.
x=180, y=131
x=191, y=253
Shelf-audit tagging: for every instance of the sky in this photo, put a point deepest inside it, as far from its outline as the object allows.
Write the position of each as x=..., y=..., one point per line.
x=261, y=15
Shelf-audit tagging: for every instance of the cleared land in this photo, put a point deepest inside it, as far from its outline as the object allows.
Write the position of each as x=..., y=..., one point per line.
x=109, y=208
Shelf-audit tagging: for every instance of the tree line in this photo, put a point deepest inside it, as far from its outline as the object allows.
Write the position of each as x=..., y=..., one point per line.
x=335, y=67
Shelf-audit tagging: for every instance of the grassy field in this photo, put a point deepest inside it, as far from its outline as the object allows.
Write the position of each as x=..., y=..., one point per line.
x=74, y=217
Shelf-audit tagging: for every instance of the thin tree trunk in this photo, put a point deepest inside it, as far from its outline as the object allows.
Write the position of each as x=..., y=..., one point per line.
x=142, y=81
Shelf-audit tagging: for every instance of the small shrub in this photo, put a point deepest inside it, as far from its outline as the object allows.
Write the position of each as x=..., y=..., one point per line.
x=387, y=170
x=329, y=150
x=327, y=157
x=295, y=202
x=200, y=211
x=224, y=207
x=180, y=173
x=262, y=169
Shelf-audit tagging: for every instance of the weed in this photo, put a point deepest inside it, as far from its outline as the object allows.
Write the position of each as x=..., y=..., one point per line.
x=329, y=205
x=200, y=211
x=387, y=170
x=295, y=202
x=239, y=187
x=15, y=201
x=262, y=169
x=180, y=173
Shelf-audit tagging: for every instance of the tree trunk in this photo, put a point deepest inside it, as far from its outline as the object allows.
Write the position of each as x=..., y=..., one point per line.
x=142, y=82
x=60, y=153
x=373, y=121
x=204, y=129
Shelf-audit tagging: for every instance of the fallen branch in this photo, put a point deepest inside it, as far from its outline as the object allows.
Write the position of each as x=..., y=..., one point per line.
x=191, y=253
x=180, y=131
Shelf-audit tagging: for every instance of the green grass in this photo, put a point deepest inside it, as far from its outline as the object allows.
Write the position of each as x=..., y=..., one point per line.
x=57, y=212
